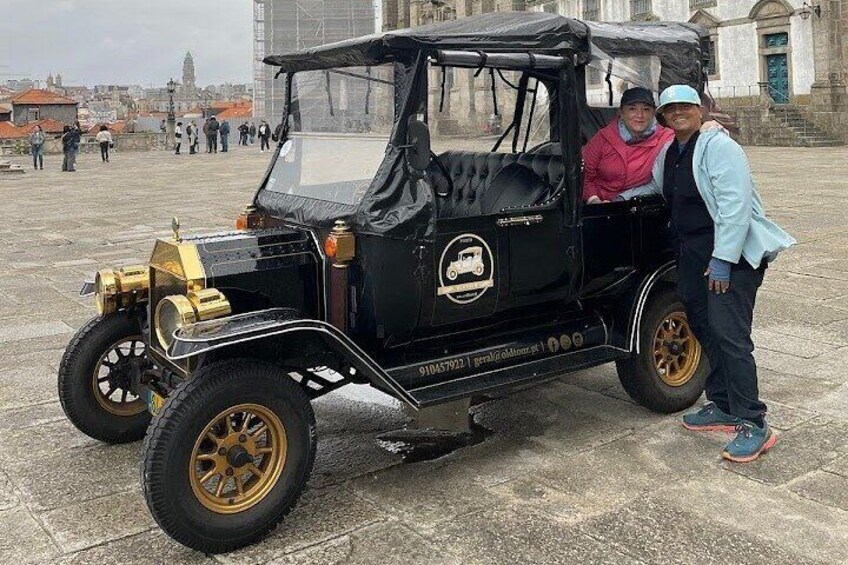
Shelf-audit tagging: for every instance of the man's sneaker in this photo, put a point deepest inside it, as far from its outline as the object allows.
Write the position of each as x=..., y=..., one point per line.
x=750, y=442
x=710, y=418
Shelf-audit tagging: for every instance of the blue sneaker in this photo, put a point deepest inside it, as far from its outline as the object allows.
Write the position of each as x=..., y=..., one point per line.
x=710, y=418
x=750, y=442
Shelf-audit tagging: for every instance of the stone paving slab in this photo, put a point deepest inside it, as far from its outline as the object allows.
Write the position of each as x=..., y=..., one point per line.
x=574, y=472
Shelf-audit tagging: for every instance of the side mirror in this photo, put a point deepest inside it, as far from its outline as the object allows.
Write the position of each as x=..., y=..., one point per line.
x=417, y=145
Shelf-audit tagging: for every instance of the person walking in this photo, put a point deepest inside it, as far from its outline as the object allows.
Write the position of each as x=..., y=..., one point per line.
x=264, y=136
x=104, y=138
x=724, y=243
x=191, y=132
x=224, y=130
x=214, y=126
x=178, y=137
x=77, y=129
x=36, y=144
x=206, y=135
x=67, y=149
x=251, y=131
x=243, y=134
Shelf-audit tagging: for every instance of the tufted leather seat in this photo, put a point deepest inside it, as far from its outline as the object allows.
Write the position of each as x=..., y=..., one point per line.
x=471, y=174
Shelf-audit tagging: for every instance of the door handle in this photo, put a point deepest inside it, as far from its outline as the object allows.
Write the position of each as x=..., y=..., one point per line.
x=520, y=220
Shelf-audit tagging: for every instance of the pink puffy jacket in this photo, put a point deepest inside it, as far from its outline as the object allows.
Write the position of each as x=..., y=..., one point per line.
x=611, y=166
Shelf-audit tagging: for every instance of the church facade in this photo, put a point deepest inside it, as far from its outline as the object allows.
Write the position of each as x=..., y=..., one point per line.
x=785, y=58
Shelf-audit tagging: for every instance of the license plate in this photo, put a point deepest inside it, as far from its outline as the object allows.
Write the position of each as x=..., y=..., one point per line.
x=154, y=402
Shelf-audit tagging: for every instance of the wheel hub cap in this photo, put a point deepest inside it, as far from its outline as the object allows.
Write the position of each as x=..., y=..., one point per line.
x=238, y=458
x=676, y=351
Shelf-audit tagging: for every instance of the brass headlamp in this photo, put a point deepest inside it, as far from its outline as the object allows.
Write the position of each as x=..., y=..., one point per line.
x=177, y=311
x=120, y=289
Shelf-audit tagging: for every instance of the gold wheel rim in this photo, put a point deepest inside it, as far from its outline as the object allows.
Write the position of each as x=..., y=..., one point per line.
x=111, y=385
x=238, y=458
x=676, y=351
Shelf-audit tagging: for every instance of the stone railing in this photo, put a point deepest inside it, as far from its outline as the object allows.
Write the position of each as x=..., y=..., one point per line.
x=123, y=142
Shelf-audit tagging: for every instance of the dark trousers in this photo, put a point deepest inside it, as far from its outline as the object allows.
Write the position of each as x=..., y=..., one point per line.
x=177, y=146
x=224, y=142
x=104, y=151
x=722, y=324
x=264, y=144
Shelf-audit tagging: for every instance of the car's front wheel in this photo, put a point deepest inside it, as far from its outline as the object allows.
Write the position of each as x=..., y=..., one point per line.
x=668, y=373
x=229, y=455
x=95, y=385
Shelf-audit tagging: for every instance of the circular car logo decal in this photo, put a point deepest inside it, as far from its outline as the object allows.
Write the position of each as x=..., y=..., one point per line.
x=466, y=269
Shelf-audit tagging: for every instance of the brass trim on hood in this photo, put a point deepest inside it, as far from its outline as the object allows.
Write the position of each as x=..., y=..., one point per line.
x=181, y=259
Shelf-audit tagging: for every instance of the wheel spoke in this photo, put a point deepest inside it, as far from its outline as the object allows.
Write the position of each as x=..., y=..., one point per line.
x=111, y=391
x=229, y=421
x=220, y=490
x=212, y=437
x=210, y=475
x=103, y=379
x=239, y=486
x=259, y=431
x=264, y=450
x=254, y=469
x=124, y=395
x=207, y=456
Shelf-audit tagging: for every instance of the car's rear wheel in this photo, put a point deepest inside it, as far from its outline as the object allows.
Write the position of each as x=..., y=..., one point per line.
x=668, y=373
x=95, y=379
x=229, y=455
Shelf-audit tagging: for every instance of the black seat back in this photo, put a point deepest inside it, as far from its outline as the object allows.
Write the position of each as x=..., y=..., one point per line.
x=471, y=174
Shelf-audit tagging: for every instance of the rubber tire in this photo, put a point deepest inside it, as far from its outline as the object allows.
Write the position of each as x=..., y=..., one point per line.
x=638, y=374
x=75, y=372
x=170, y=440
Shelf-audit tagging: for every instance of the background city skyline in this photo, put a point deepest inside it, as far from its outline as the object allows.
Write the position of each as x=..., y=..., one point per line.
x=91, y=42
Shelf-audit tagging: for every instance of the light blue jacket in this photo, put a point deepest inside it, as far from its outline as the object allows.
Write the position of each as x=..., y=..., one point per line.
x=724, y=181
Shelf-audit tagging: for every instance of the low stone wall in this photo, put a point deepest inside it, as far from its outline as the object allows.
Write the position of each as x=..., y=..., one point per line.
x=123, y=142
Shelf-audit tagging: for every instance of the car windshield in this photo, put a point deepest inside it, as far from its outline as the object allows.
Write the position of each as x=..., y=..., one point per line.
x=339, y=130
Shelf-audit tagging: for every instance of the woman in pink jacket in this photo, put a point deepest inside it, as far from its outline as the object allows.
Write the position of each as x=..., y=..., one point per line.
x=619, y=158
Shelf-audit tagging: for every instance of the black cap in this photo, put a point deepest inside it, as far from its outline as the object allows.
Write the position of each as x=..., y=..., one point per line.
x=638, y=94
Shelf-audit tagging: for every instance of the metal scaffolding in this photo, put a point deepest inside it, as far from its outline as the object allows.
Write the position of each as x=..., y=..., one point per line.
x=282, y=26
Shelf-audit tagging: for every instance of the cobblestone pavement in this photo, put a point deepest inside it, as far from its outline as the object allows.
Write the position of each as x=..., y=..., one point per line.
x=574, y=473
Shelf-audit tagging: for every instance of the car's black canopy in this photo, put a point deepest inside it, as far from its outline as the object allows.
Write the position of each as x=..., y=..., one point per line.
x=678, y=45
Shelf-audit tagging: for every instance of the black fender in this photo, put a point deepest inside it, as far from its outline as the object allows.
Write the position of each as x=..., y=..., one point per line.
x=656, y=278
x=204, y=337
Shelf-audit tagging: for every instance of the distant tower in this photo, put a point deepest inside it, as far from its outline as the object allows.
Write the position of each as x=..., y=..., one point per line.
x=50, y=83
x=58, y=81
x=188, y=73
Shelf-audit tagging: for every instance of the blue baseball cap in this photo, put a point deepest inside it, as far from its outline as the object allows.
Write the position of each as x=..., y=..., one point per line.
x=678, y=94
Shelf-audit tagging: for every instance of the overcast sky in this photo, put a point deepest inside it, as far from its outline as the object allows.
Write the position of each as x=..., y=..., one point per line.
x=126, y=41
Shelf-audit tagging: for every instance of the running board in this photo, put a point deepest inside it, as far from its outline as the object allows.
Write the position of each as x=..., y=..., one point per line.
x=516, y=375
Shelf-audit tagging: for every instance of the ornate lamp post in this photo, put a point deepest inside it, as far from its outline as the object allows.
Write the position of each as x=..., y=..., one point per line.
x=172, y=87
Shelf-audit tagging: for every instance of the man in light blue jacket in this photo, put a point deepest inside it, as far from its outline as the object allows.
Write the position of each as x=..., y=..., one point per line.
x=724, y=243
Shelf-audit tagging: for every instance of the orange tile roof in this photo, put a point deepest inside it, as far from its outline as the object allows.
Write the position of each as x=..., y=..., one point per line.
x=116, y=127
x=8, y=130
x=233, y=112
x=37, y=96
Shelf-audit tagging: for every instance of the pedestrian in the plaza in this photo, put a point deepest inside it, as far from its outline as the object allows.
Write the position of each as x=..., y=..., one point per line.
x=36, y=145
x=76, y=140
x=243, y=134
x=178, y=137
x=163, y=127
x=251, y=132
x=264, y=136
x=67, y=149
x=196, y=133
x=104, y=138
x=224, y=130
x=724, y=243
x=214, y=126
x=206, y=135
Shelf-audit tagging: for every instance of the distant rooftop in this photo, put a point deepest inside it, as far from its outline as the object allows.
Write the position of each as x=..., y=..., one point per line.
x=37, y=96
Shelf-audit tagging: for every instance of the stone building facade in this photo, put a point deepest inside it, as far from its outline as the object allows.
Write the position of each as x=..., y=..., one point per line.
x=777, y=63
x=35, y=105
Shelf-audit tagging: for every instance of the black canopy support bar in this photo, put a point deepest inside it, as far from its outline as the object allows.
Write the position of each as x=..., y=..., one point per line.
x=513, y=61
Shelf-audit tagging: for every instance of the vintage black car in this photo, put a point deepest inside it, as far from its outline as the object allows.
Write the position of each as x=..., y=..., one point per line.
x=421, y=229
